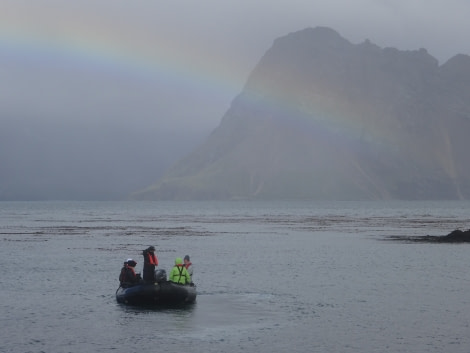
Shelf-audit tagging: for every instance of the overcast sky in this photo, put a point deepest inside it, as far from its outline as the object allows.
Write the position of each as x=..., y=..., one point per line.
x=210, y=44
x=163, y=66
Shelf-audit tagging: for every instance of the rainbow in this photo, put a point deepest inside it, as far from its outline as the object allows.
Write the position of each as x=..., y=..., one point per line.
x=101, y=44
x=122, y=49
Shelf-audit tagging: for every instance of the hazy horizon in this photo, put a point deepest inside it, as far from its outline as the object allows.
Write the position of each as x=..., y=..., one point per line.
x=104, y=96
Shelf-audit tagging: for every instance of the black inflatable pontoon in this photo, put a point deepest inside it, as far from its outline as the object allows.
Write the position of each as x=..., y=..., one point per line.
x=162, y=292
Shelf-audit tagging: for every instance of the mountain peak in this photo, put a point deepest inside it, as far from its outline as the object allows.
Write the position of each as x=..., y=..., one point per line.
x=321, y=118
x=310, y=39
x=322, y=34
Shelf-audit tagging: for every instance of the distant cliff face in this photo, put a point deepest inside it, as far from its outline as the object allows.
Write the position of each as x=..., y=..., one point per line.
x=321, y=118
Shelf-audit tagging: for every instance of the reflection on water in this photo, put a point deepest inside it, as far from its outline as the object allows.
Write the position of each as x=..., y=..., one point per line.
x=271, y=277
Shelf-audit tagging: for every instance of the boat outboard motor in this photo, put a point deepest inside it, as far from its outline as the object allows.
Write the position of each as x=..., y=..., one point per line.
x=160, y=275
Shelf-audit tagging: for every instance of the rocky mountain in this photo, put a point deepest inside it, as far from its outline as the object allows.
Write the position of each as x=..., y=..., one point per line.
x=322, y=118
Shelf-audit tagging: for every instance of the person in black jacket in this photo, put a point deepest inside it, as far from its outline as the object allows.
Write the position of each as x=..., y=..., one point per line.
x=128, y=277
x=150, y=262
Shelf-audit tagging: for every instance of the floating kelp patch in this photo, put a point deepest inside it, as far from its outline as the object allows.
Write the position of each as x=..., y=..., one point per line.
x=456, y=236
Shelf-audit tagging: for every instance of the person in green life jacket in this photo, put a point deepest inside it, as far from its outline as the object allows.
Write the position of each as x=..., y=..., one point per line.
x=179, y=273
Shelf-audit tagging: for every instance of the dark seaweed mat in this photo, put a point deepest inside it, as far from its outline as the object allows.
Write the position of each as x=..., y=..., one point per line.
x=456, y=236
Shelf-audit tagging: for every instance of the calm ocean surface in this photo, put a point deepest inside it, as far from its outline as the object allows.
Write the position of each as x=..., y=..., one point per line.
x=271, y=277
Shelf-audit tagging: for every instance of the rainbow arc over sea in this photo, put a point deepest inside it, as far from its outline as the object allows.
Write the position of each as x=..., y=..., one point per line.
x=137, y=52
x=118, y=49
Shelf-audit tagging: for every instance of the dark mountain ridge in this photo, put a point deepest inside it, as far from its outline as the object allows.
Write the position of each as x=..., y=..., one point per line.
x=322, y=118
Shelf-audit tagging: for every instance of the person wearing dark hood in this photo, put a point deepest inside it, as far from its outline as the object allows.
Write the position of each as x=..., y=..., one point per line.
x=150, y=262
x=189, y=266
x=128, y=277
x=179, y=274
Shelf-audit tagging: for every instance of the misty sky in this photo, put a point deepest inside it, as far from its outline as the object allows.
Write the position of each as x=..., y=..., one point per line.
x=207, y=43
x=166, y=68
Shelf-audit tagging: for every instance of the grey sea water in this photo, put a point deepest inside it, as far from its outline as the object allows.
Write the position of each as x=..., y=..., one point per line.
x=271, y=277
